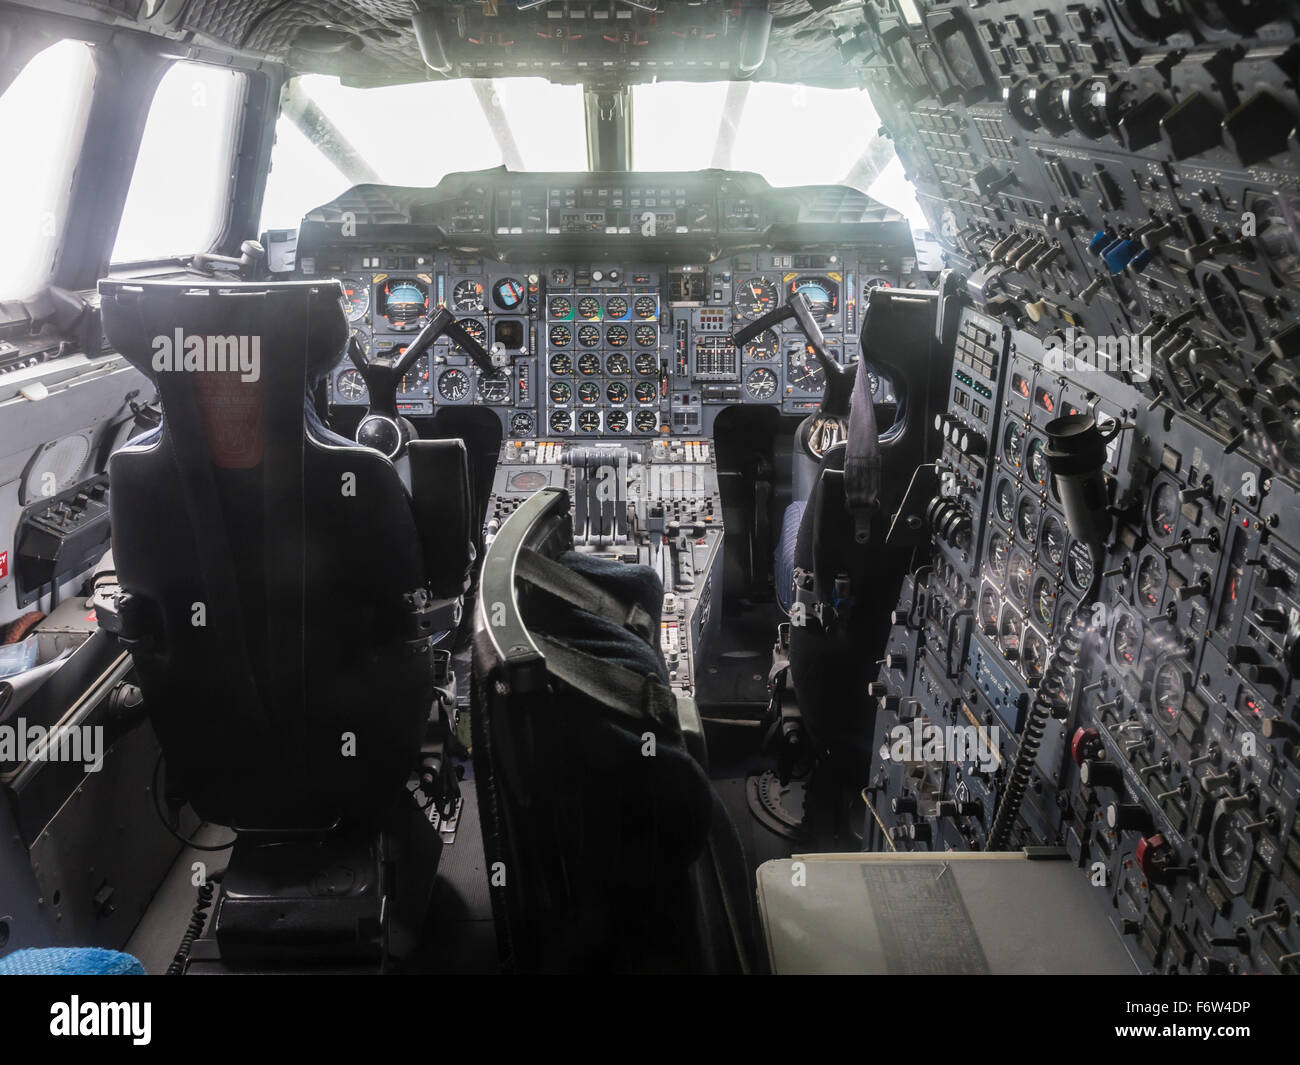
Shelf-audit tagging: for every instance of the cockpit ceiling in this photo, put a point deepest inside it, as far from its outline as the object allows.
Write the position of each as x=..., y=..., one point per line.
x=601, y=43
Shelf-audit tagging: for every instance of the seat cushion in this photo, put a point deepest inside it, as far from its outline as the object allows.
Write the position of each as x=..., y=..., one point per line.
x=70, y=961
x=783, y=563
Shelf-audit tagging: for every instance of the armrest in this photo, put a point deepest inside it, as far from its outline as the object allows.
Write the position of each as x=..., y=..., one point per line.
x=440, y=501
x=688, y=716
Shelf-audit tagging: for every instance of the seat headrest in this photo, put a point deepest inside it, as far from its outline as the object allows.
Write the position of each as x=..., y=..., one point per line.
x=223, y=327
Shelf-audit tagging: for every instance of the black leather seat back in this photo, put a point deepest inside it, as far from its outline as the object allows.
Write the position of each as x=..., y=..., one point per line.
x=268, y=563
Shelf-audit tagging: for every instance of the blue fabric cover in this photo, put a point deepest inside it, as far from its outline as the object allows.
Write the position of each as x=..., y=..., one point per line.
x=783, y=564
x=70, y=961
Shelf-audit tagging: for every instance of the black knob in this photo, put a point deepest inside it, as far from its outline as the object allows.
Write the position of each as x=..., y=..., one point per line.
x=903, y=804
x=920, y=832
x=1128, y=817
x=1097, y=773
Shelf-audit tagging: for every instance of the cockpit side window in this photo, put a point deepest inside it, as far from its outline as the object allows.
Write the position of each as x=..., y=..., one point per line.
x=44, y=109
x=180, y=192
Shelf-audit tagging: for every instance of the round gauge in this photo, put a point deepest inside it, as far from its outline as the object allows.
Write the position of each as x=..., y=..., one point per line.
x=616, y=307
x=1054, y=540
x=589, y=421
x=561, y=421
x=521, y=424
x=1027, y=515
x=1168, y=692
x=618, y=366
x=561, y=365
x=453, y=384
x=803, y=370
x=822, y=293
x=755, y=297
x=616, y=421
x=1275, y=222
x=589, y=308
x=646, y=336
x=875, y=282
x=494, y=388
x=356, y=300
x=403, y=302
x=474, y=328
x=508, y=293
x=760, y=383
x=560, y=308
x=645, y=421
x=1033, y=656
x=763, y=347
x=1065, y=607
x=646, y=307
x=1162, y=512
x=467, y=295
x=589, y=364
x=1036, y=462
x=617, y=392
x=1013, y=444
x=1150, y=586
x=560, y=277
x=1004, y=499
x=416, y=380
x=1009, y=634
x=1018, y=570
x=527, y=481
x=646, y=364
x=645, y=391
x=589, y=392
x=561, y=336
x=1125, y=641
x=350, y=385
x=561, y=392
x=988, y=608
x=998, y=549
x=588, y=335
x=616, y=336
x=1231, y=846
x=1078, y=566
x=363, y=338
x=1042, y=604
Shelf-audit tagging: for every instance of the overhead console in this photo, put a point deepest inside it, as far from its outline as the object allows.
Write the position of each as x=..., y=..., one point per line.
x=608, y=301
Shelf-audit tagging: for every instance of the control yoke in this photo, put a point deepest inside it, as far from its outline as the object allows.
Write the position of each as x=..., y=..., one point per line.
x=839, y=379
x=381, y=427
x=251, y=255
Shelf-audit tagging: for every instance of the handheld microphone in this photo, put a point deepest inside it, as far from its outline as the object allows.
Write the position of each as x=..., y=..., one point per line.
x=1076, y=453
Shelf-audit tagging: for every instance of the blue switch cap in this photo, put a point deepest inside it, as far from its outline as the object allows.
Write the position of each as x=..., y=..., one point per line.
x=1140, y=261
x=1099, y=240
x=1118, y=254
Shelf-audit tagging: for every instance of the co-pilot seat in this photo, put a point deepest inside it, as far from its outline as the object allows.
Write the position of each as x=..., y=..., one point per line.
x=282, y=591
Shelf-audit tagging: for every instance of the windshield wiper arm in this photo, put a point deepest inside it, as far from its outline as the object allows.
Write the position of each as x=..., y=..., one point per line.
x=732, y=108
x=489, y=98
x=328, y=139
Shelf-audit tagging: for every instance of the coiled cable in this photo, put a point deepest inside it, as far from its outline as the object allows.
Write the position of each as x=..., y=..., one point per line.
x=198, y=918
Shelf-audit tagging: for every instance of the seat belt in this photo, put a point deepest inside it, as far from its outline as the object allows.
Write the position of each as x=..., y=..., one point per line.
x=613, y=686
x=862, y=457
x=578, y=591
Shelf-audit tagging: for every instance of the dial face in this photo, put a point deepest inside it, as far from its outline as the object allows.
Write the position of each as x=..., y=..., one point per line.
x=1231, y=846
x=616, y=421
x=1054, y=540
x=1018, y=570
x=1009, y=633
x=416, y=380
x=646, y=336
x=998, y=550
x=521, y=424
x=1125, y=641
x=645, y=307
x=588, y=335
x=1036, y=462
x=1168, y=692
x=560, y=308
x=616, y=336
x=363, y=338
x=350, y=385
x=493, y=388
x=617, y=392
x=1078, y=566
x=755, y=297
x=761, y=383
x=589, y=308
x=822, y=293
x=589, y=364
x=618, y=366
x=561, y=421
x=560, y=277
x=646, y=364
x=1042, y=603
x=561, y=336
x=1027, y=519
x=467, y=295
x=589, y=392
x=803, y=370
x=1013, y=444
x=453, y=384
x=646, y=421
x=1150, y=585
x=989, y=605
x=403, y=301
x=763, y=347
x=356, y=300
x=875, y=282
x=1005, y=499
x=589, y=421
x=646, y=391
x=508, y=293
x=1163, y=512
x=561, y=365
x=474, y=328
x=561, y=392
x=616, y=307
x=1033, y=656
